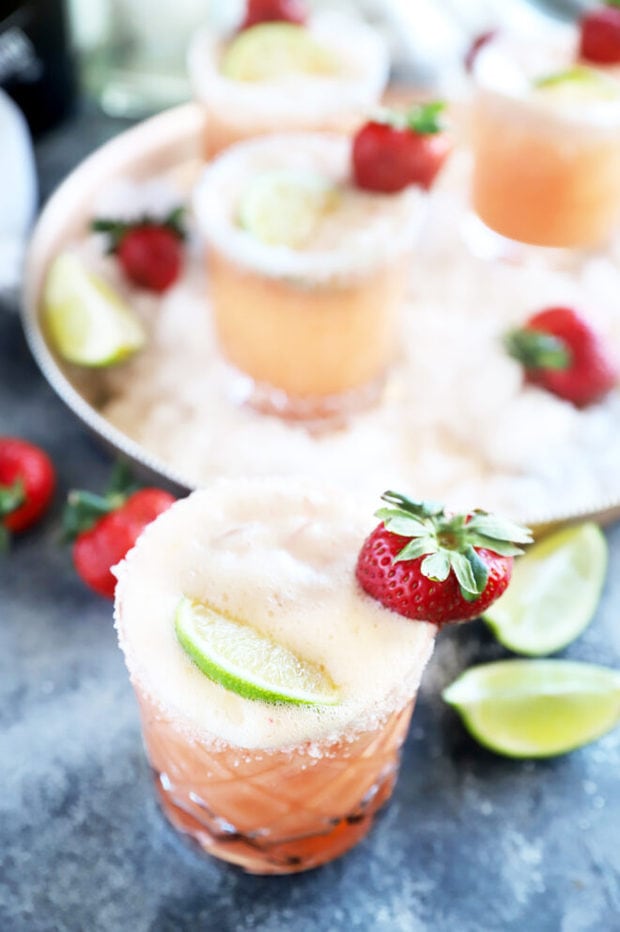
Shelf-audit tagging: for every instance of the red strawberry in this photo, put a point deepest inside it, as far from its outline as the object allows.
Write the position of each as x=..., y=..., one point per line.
x=403, y=149
x=27, y=480
x=150, y=251
x=432, y=566
x=599, y=39
x=270, y=11
x=104, y=528
x=561, y=353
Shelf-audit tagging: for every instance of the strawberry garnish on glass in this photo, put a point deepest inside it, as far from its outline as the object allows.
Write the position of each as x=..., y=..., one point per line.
x=274, y=11
x=560, y=352
x=149, y=250
x=401, y=149
x=430, y=565
x=27, y=481
x=599, y=34
x=104, y=528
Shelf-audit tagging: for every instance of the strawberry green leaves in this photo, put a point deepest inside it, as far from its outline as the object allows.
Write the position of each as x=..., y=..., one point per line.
x=450, y=543
x=116, y=229
x=537, y=350
x=424, y=119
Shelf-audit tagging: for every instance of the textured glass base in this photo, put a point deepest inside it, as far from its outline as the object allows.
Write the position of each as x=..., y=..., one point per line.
x=484, y=243
x=274, y=812
x=329, y=411
x=259, y=854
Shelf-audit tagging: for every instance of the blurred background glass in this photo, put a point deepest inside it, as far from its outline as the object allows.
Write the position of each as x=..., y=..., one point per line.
x=132, y=52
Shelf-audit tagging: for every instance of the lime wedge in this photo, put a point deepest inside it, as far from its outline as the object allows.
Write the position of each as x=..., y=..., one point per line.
x=249, y=663
x=274, y=50
x=578, y=84
x=86, y=319
x=554, y=592
x=284, y=208
x=536, y=708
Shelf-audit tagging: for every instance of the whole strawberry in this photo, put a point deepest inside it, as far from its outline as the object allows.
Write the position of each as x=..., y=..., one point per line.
x=104, y=528
x=27, y=480
x=561, y=353
x=599, y=35
x=400, y=150
x=150, y=251
x=432, y=566
x=272, y=11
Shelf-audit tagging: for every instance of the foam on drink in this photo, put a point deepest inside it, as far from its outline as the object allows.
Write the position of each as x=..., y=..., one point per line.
x=279, y=555
x=364, y=231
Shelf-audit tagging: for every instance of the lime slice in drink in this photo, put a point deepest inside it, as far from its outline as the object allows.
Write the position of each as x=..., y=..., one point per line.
x=249, y=663
x=554, y=592
x=578, y=84
x=274, y=50
x=284, y=208
x=88, y=322
x=536, y=708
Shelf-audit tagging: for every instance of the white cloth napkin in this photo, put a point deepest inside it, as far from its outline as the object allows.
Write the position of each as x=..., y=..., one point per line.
x=18, y=191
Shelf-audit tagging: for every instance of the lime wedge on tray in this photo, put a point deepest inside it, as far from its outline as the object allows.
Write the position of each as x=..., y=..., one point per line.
x=284, y=208
x=249, y=663
x=273, y=50
x=536, y=708
x=87, y=321
x=554, y=592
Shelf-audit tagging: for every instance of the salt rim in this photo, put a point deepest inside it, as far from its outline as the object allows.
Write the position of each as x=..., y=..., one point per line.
x=371, y=689
x=297, y=100
x=389, y=233
x=505, y=68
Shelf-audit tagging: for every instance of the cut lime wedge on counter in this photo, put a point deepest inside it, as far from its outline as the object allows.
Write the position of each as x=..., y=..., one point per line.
x=579, y=84
x=274, y=50
x=536, y=708
x=284, y=208
x=249, y=663
x=554, y=592
x=88, y=322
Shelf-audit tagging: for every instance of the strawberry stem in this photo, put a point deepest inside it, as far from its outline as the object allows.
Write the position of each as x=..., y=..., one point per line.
x=84, y=509
x=425, y=118
x=537, y=350
x=11, y=497
x=122, y=481
x=422, y=119
x=116, y=229
x=448, y=542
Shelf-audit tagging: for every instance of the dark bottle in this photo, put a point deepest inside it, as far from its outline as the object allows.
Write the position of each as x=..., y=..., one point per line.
x=36, y=65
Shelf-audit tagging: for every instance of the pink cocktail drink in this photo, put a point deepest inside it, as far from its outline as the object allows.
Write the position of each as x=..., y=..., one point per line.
x=350, y=77
x=272, y=787
x=312, y=325
x=546, y=140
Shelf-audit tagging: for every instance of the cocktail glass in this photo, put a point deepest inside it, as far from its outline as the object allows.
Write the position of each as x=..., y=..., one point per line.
x=313, y=331
x=277, y=811
x=273, y=788
x=546, y=160
x=238, y=110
